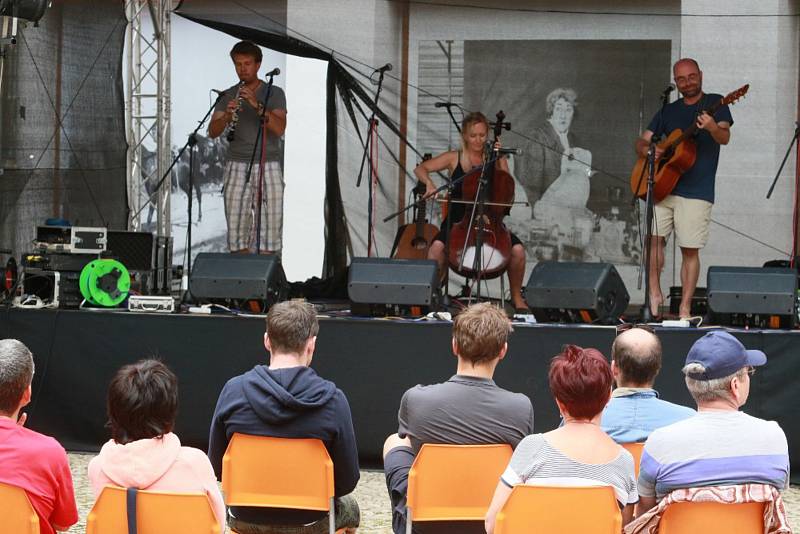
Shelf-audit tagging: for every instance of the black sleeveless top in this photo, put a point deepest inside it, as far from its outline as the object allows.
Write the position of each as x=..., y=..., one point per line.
x=457, y=209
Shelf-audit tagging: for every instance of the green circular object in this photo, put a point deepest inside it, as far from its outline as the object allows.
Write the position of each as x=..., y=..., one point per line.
x=105, y=282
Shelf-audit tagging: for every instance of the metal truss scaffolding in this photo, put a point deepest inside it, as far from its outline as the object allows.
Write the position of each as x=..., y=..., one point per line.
x=147, y=112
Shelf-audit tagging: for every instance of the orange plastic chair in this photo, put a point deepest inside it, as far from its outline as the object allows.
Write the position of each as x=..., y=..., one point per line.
x=18, y=516
x=636, y=451
x=454, y=482
x=156, y=513
x=278, y=473
x=560, y=510
x=744, y=518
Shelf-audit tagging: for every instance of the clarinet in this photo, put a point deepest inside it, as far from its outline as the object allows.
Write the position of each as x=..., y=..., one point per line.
x=235, y=118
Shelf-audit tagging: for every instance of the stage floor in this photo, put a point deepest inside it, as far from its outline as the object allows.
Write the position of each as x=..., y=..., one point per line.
x=372, y=360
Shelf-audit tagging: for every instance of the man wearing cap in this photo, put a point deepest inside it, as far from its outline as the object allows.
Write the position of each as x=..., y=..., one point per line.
x=720, y=445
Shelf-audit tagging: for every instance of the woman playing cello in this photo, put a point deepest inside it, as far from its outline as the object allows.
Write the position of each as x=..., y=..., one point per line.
x=474, y=133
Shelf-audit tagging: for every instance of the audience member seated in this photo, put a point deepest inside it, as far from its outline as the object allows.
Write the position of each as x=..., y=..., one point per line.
x=578, y=453
x=29, y=460
x=143, y=452
x=468, y=409
x=719, y=445
x=287, y=399
x=635, y=409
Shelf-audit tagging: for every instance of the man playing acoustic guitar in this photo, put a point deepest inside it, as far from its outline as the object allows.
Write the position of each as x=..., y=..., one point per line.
x=687, y=210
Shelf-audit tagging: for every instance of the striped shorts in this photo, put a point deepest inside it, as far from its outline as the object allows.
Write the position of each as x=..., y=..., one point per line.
x=240, y=206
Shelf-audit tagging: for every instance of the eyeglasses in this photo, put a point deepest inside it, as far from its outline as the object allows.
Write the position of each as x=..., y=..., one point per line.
x=693, y=77
x=751, y=370
x=624, y=327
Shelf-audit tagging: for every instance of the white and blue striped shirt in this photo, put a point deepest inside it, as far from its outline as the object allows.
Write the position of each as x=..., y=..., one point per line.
x=536, y=462
x=714, y=448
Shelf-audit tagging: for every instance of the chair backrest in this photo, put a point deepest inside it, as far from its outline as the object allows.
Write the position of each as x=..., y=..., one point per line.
x=455, y=482
x=636, y=451
x=560, y=510
x=17, y=516
x=156, y=513
x=744, y=518
x=277, y=473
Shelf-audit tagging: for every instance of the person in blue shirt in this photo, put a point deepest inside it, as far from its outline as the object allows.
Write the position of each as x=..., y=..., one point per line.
x=687, y=210
x=635, y=409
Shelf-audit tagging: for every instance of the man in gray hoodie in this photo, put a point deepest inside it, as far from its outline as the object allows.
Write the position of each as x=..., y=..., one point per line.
x=287, y=399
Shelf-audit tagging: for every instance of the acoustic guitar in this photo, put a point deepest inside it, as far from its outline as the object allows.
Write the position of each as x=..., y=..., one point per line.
x=680, y=152
x=414, y=239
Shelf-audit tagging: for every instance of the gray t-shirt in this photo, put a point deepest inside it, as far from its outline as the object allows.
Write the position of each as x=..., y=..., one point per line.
x=464, y=410
x=241, y=149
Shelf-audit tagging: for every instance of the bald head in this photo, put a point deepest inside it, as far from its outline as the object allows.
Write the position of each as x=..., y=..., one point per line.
x=637, y=355
x=686, y=62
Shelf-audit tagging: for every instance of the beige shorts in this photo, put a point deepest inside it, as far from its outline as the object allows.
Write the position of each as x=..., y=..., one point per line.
x=688, y=217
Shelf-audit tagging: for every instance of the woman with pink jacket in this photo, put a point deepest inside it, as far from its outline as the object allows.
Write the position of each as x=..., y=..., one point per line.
x=143, y=452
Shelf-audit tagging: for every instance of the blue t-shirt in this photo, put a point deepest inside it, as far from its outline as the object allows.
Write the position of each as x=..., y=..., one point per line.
x=633, y=414
x=698, y=181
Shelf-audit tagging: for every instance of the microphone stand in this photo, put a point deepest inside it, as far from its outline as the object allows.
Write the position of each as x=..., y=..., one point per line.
x=262, y=124
x=373, y=129
x=477, y=260
x=191, y=142
x=788, y=151
x=449, y=222
x=646, y=315
x=452, y=117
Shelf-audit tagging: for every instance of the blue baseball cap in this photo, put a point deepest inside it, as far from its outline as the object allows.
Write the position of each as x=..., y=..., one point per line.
x=722, y=355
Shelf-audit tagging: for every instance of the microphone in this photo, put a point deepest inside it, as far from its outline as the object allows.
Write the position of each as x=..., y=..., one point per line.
x=445, y=104
x=668, y=90
x=509, y=151
x=385, y=68
x=273, y=72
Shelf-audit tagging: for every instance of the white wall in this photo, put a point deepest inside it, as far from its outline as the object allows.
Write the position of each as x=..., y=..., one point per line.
x=761, y=51
x=304, y=196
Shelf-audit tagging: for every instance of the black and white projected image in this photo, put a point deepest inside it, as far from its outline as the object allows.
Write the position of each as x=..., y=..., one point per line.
x=575, y=108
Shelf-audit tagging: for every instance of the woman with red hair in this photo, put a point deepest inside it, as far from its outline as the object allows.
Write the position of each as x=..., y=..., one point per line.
x=578, y=453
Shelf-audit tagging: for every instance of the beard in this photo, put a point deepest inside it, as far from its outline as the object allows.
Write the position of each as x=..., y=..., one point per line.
x=691, y=91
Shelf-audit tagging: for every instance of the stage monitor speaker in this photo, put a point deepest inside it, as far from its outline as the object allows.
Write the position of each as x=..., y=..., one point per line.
x=382, y=286
x=761, y=297
x=576, y=292
x=222, y=276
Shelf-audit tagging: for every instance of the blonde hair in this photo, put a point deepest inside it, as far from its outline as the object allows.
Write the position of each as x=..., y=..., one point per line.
x=480, y=332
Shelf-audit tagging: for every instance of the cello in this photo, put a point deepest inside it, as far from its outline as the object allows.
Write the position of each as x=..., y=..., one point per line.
x=480, y=244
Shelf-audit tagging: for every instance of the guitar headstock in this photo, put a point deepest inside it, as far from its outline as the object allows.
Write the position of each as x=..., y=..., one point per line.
x=733, y=97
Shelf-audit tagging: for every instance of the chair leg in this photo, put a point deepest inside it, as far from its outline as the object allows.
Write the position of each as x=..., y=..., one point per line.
x=332, y=517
